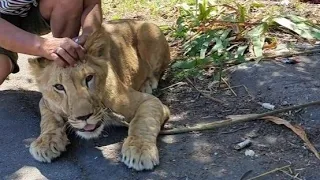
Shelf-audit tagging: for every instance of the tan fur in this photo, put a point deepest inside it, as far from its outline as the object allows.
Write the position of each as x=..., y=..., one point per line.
x=126, y=59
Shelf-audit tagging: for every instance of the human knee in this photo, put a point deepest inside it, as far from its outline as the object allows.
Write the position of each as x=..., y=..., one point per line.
x=50, y=8
x=5, y=67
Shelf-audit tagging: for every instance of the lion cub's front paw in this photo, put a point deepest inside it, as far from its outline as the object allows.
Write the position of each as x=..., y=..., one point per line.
x=49, y=146
x=139, y=155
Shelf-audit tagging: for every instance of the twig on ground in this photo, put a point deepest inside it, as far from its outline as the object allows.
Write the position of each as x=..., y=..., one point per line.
x=226, y=122
x=269, y=172
x=285, y=55
x=245, y=88
x=245, y=174
x=242, y=144
x=172, y=85
x=268, y=57
x=293, y=177
x=229, y=87
x=203, y=94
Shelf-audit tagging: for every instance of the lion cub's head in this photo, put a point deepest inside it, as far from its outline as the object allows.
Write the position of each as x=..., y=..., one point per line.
x=76, y=93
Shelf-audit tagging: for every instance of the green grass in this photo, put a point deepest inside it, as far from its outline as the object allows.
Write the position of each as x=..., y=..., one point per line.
x=220, y=33
x=150, y=9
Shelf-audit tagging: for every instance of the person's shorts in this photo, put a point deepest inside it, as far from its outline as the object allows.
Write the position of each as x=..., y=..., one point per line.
x=33, y=23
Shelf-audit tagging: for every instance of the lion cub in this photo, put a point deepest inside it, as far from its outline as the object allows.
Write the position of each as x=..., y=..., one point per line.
x=123, y=64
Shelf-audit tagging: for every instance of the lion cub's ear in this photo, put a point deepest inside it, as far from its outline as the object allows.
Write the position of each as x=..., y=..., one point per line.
x=38, y=64
x=96, y=44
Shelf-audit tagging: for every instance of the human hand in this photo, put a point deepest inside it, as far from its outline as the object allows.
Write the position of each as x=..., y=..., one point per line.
x=81, y=39
x=64, y=51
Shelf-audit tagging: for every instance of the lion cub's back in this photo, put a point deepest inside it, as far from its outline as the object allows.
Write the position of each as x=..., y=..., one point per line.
x=149, y=45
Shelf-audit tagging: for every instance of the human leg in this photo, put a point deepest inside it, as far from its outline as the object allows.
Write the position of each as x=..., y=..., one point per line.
x=5, y=67
x=64, y=17
x=8, y=64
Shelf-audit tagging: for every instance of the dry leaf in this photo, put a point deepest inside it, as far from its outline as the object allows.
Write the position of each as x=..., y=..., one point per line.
x=271, y=45
x=296, y=129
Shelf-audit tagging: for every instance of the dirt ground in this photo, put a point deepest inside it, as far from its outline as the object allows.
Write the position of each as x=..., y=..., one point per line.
x=197, y=155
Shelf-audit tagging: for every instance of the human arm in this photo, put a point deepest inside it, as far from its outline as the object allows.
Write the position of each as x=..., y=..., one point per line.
x=17, y=40
x=91, y=19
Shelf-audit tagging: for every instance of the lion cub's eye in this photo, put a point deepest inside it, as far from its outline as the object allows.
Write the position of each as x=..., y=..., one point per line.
x=59, y=87
x=88, y=80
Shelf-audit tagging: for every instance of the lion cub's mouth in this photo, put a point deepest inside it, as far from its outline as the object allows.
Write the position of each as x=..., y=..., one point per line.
x=90, y=127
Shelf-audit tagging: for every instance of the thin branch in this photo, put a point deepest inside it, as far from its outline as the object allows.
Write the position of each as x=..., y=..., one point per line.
x=269, y=172
x=203, y=94
x=285, y=55
x=172, y=85
x=226, y=122
x=229, y=87
x=293, y=177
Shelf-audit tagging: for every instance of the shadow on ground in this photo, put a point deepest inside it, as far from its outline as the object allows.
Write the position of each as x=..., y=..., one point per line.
x=274, y=146
x=197, y=155
x=95, y=159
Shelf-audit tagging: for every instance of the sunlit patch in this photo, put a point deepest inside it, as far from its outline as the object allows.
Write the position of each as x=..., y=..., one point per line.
x=169, y=139
x=111, y=152
x=271, y=139
x=27, y=172
x=178, y=117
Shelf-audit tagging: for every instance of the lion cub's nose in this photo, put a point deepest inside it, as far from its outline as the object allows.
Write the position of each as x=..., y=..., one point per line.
x=83, y=118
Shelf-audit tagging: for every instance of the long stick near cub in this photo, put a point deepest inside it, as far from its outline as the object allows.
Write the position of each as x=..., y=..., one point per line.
x=123, y=63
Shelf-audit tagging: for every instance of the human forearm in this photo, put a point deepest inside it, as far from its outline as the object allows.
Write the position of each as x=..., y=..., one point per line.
x=92, y=16
x=15, y=39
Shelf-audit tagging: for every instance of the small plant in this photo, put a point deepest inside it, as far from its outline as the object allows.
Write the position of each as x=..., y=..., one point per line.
x=219, y=35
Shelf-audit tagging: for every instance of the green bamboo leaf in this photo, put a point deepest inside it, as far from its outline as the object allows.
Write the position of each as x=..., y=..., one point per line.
x=202, y=62
x=257, y=42
x=204, y=50
x=240, y=51
x=225, y=34
x=257, y=38
x=218, y=46
x=242, y=13
x=301, y=28
x=258, y=30
x=187, y=64
x=257, y=5
x=296, y=19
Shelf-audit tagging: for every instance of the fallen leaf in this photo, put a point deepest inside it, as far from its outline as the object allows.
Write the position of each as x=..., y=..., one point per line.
x=298, y=130
x=271, y=45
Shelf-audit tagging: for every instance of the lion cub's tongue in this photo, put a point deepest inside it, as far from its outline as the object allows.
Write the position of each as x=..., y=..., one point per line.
x=89, y=127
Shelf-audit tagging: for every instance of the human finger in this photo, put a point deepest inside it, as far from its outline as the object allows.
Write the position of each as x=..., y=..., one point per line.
x=58, y=60
x=66, y=56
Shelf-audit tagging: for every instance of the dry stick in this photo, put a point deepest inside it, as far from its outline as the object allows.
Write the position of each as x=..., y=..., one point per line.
x=293, y=177
x=203, y=94
x=222, y=123
x=172, y=85
x=229, y=87
x=285, y=55
x=269, y=172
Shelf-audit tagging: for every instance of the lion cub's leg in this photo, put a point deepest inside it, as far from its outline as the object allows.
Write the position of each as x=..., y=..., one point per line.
x=53, y=138
x=150, y=84
x=139, y=150
x=146, y=87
